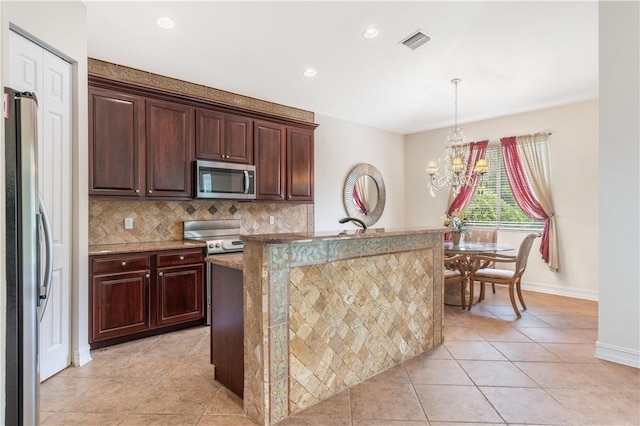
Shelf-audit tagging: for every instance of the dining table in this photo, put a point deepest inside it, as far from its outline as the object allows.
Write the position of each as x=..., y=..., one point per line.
x=467, y=249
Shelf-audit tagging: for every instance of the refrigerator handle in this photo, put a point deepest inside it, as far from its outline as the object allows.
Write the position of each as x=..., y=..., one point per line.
x=45, y=286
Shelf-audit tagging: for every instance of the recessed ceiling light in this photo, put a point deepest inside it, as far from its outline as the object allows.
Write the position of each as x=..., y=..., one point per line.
x=371, y=33
x=310, y=72
x=166, y=23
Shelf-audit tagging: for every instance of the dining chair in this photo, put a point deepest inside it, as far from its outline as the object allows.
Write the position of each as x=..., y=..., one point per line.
x=509, y=277
x=454, y=273
x=483, y=235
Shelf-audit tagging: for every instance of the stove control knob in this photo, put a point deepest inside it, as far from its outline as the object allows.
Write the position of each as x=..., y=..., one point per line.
x=217, y=245
x=211, y=245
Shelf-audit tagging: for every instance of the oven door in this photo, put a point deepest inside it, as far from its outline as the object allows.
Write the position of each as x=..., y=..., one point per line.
x=217, y=180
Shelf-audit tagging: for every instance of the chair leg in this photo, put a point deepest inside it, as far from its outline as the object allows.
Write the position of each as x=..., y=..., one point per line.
x=462, y=298
x=470, y=295
x=513, y=300
x=493, y=287
x=524, y=307
x=481, y=296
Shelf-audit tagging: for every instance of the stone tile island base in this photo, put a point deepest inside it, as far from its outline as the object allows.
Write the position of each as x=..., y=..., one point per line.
x=327, y=311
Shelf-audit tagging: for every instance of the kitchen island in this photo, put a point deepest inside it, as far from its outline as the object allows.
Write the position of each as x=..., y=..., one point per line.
x=325, y=311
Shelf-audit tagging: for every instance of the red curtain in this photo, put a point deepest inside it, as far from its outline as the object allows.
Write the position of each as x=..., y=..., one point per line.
x=477, y=150
x=357, y=201
x=522, y=191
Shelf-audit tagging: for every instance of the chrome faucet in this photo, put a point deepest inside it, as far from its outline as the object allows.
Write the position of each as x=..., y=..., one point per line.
x=353, y=219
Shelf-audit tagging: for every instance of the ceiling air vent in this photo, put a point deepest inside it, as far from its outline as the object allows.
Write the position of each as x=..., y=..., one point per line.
x=416, y=40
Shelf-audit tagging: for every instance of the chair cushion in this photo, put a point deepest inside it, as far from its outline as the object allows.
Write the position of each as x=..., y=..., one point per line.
x=494, y=273
x=450, y=274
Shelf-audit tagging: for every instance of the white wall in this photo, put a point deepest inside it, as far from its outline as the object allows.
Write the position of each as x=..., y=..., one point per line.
x=339, y=146
x=619, y=307
x=573, y=151
x=61, y=27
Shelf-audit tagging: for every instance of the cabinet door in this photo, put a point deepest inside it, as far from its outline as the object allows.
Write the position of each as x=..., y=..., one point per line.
x=180, y=294
x=119, y=304
x=116, y=143
x=299, y=164
x=270, y=150
x=169, y=153
x=227, y=327
x=239, y=139
x=209, y=135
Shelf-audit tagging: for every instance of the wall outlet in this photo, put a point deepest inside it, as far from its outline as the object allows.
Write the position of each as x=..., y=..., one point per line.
x=128, y=223
x=272, y=220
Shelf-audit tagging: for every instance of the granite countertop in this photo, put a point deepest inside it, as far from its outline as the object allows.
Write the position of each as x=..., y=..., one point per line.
x=231, y=260
x=339, y=235
x=142, y=247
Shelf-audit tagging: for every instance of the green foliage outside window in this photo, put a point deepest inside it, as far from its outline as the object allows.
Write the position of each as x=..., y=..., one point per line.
x=493, y=205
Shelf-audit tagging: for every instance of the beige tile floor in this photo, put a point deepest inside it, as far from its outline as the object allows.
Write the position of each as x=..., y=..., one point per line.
x=492, y=368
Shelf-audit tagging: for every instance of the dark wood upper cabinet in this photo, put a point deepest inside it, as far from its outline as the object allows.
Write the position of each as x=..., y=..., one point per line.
x=284, y=162
x=223, y=137
x=239, y=139
x=169, y=153
x=299, y=164
x=270, y=151
x=143, y=141
x=116, y=143
x=209, y=135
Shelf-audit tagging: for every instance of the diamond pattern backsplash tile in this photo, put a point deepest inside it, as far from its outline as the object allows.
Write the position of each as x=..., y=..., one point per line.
x=162, y=220
x=349, y=318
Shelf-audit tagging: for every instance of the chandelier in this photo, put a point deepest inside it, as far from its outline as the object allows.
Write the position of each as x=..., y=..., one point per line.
x=452, y=173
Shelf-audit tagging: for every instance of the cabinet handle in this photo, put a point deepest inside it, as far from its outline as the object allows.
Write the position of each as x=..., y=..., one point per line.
x=226, y=156
x=150, y=191
x=147, y=276
x=124, y=263
x=181, y=257
x=137, y=191
x=160, y=274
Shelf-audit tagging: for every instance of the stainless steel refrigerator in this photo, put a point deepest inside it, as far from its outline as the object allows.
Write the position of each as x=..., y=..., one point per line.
x=28, y=261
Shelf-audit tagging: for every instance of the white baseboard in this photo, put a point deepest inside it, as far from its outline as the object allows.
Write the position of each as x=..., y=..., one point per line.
x=82, y=356
x=618, y=355
x=561, y=291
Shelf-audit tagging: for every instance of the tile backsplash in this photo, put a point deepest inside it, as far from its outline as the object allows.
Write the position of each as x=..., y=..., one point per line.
x=162, y=220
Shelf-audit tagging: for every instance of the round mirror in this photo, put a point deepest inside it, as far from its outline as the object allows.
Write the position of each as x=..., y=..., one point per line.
x=364, y=193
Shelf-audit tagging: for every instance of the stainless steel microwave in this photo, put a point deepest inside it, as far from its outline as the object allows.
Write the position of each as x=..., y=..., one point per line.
x=225, y=181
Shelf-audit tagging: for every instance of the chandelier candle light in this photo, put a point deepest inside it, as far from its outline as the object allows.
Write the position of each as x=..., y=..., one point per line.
x=453, y=170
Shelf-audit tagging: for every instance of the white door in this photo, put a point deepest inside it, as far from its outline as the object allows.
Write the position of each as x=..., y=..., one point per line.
x=35, y=69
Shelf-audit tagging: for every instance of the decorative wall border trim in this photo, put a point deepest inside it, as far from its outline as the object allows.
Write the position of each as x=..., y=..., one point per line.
x=147, y=79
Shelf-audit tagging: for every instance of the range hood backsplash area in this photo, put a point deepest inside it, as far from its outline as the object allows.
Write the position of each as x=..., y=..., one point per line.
x=162, y=220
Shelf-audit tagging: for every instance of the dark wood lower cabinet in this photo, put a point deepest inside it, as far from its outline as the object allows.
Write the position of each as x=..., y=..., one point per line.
x=227, y=327
x=121, y=304
x=180, y=294
x=137, y=295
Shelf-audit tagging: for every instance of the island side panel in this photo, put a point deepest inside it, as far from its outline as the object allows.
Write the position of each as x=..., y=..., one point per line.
x=266, y=332
x=255, y=314
x=353, y=319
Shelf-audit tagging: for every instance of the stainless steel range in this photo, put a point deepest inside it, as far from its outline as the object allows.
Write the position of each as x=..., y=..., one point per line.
x=221, y=237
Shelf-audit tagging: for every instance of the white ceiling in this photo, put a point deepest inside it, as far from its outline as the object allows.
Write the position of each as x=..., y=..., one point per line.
x=511, y=56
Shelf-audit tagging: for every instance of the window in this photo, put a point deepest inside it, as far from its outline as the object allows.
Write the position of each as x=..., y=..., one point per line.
x=493, y=205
